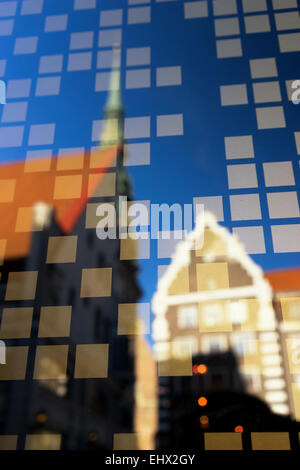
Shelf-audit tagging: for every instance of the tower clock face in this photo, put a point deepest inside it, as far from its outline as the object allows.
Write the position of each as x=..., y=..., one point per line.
x=149, y=225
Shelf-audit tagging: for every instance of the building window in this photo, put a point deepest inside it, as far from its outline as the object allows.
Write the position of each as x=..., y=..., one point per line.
x=238, y=312
x=244, y=344
x=185, y=347
x=214, y=343
x=213, y=314
x=72, y=296
x=252, y=380
x=187, y=316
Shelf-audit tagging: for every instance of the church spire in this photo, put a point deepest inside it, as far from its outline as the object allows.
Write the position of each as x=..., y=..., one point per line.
x=112, y=133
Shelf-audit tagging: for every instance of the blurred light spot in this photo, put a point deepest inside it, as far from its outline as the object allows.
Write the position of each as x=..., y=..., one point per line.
x=204, y=422
x=238, y=429
x=202, y=401
x=202, y=369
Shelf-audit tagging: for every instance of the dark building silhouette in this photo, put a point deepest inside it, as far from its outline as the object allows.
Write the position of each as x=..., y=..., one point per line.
x=69, y=377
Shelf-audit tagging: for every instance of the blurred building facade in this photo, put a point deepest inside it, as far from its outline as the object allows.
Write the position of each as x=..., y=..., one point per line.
x=213, y=309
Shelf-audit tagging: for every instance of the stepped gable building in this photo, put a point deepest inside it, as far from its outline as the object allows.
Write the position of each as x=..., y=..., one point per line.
x=213, y=299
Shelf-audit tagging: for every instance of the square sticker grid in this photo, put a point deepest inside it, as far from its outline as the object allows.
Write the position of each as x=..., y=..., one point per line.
x=138, y=153
x=196, y=9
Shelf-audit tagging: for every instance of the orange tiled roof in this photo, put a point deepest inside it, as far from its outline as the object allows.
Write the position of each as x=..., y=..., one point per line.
x=288, y=279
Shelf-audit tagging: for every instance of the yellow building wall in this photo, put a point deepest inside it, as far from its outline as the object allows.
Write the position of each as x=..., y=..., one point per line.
x=146, y=389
